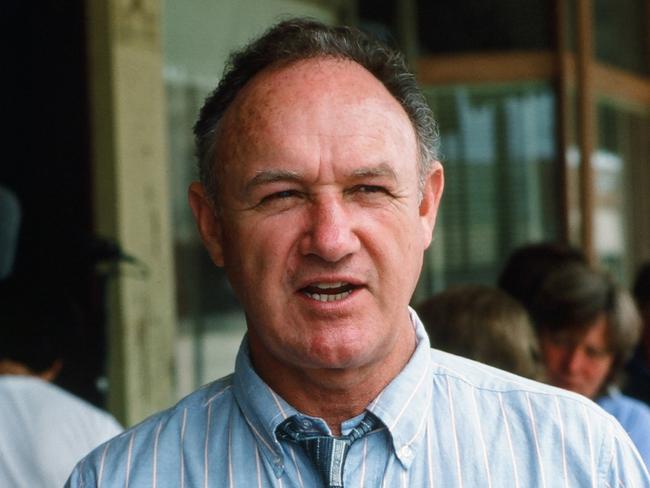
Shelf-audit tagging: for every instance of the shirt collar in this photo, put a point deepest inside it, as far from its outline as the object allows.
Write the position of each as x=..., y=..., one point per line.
x=403, y=405
x=264, y=409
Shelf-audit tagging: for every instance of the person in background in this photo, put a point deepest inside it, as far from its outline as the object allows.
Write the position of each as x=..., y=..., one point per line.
x=528, y=265
x=44, y=430
x=637, y=383
x=319, y=191
x=588, y=328
x=483, y=323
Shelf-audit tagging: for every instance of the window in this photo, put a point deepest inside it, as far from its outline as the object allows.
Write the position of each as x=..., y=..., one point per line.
x=499, y=154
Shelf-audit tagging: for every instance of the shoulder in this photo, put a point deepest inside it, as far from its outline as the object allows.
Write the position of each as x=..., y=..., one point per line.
x=216, y=391
x=50, y=404
x=564, y=428
x=158, y=436
x=627, y=410
x=466, y=382
x=623, y=401
x=188, y=411
x=471, y=374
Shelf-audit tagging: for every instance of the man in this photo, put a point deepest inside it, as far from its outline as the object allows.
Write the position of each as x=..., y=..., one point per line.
x=319, y=194
x=44, y=430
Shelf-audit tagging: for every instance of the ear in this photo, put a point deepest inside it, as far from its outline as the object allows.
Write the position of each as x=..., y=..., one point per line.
x=431, y=194
x=207, y=222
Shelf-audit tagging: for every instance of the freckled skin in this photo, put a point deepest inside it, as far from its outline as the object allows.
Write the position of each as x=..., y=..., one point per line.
x=320, y=184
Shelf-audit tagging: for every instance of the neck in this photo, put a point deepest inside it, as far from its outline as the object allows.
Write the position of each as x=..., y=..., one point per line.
x=333, y=394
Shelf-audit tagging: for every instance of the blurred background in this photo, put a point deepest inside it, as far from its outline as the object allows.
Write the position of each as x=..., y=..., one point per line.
x=544, y=113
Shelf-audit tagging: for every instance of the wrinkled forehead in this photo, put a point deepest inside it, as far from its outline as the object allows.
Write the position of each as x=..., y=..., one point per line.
x=288, y=96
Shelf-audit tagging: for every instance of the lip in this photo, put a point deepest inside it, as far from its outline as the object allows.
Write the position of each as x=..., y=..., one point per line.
x=336, y=304
x=308, y=286
x=329, y=279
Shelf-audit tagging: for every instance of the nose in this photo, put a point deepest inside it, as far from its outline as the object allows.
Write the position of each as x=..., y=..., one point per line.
x=330, y=232
x=573, y=360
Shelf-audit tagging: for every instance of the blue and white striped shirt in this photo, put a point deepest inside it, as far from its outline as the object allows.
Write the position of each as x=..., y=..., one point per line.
x=448, y=422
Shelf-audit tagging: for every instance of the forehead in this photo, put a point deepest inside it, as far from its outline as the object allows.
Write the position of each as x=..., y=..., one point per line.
x=594, y=332
x=330, y=97
x=597, y=331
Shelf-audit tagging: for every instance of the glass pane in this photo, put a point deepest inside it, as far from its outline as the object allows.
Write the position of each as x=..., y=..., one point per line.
x=621, y=33
x=208, y=324
x=573, y=177
x=498, y=149
x=621, y=186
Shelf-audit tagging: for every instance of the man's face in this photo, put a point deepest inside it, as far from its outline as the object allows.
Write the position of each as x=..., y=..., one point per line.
x=579, y=362
x=321, y=229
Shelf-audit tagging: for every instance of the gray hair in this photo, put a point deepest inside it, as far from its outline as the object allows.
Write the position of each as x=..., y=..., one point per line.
x=300, y=39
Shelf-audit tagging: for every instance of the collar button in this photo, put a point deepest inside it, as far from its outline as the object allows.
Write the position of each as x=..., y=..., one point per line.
x=405, y=452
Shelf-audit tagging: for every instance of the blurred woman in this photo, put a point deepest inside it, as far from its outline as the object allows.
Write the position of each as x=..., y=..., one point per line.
x=588, y=328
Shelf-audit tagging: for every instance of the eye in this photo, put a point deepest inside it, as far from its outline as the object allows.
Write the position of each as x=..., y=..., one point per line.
x=594, y=353
x=280, y=200
x=280, y=195
x=370, y=189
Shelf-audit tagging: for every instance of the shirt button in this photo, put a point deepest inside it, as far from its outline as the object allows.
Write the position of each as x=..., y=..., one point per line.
x=405, y=452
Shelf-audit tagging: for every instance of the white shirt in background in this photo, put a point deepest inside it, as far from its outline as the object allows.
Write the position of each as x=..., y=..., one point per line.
x=44, y=431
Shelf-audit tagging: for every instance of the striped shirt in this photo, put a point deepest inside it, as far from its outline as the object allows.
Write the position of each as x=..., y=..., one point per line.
x=447, y=422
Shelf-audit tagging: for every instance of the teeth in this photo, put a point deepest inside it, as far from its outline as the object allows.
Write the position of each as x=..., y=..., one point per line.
x=326, y=286
x=322, y=297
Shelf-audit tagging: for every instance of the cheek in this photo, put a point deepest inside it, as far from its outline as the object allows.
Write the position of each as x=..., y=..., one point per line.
x=248, y=255
x=552, y=355
x=553, y=362
x=407, y=236
x=600, y=370
x=257, y=239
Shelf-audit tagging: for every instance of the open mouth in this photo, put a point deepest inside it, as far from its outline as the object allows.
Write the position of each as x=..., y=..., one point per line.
x=329, y=292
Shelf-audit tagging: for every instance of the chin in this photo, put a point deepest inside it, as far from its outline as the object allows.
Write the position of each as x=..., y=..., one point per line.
x=334, y=358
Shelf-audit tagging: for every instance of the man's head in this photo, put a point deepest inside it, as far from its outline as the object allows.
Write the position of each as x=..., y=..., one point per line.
x=587, y=326
x=325, y=205
x=298, y=40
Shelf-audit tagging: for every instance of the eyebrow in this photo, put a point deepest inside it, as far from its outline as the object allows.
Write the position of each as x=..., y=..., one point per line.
x=274, y=175
x=381, y=170
x=271, y=176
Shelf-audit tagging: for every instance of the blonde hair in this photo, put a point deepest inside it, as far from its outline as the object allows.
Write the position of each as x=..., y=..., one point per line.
x=485, y=324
